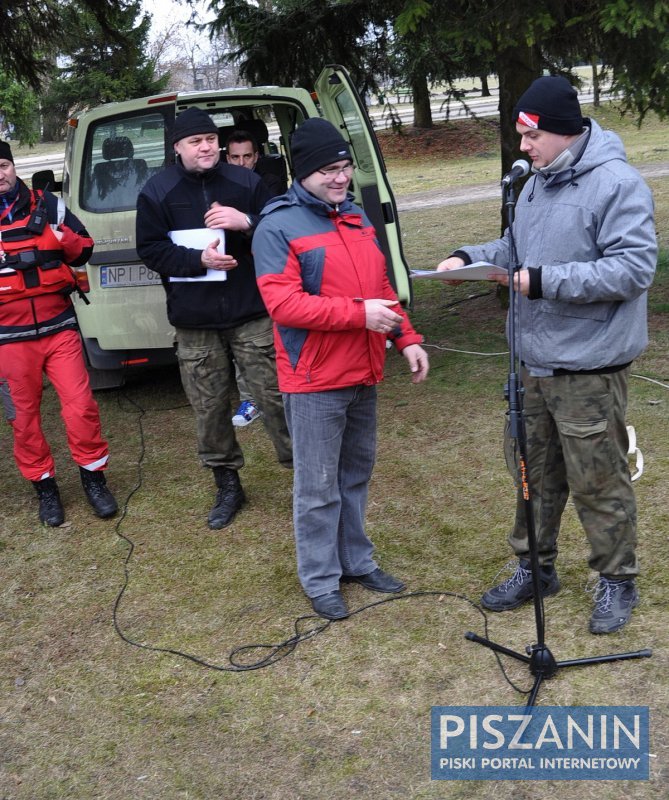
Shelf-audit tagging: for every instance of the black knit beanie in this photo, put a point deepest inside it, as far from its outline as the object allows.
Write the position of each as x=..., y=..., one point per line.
x=315, y=144
x=550, y=104
x=6, y=152
x=191, y=122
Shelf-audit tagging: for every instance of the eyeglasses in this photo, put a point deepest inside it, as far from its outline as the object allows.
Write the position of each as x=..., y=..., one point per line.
x=334, y=172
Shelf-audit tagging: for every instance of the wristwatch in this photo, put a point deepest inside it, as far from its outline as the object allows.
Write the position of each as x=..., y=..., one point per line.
x=250, y=221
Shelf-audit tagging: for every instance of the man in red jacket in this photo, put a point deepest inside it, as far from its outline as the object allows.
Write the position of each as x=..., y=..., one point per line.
x=323, y=278
x=38, y=335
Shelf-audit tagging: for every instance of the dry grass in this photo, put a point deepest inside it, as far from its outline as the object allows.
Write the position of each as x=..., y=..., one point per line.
x=85, y=715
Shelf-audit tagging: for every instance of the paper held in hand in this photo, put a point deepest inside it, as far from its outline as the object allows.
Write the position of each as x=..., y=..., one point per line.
x=200, y=239
x=478, y=271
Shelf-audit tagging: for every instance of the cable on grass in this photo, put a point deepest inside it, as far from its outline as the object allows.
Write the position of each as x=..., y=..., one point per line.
x=651, y=380
x=453, y=349
x=305, y=627
x=466, y=352
x=466, y=299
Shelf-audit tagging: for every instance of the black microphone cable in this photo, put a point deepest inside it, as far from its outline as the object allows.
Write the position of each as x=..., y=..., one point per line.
x=305, y=627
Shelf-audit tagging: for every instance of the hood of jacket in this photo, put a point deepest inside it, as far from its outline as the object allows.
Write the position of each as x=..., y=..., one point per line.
x=601, y=147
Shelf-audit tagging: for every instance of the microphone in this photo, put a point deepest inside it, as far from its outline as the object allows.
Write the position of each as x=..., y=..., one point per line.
x=519, y=169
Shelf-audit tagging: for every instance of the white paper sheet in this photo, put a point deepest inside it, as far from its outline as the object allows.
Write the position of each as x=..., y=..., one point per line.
x=478, y=271
x=200, y=239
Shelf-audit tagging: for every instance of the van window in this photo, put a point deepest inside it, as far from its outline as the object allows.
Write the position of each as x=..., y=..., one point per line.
x=351, y=118
x=120, y=156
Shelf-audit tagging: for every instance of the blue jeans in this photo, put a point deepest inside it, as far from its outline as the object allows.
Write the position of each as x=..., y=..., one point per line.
x=334, y=446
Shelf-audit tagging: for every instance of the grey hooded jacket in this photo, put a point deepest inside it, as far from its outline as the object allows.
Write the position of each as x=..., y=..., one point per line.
x=590, y=233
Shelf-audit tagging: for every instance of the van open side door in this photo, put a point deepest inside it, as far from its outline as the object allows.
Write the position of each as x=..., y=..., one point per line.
x=342, y=105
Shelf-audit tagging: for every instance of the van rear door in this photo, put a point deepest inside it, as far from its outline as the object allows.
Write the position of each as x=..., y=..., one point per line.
x=341, y=104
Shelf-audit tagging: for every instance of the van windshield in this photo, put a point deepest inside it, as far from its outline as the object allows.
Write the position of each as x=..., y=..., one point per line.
x=120, y=156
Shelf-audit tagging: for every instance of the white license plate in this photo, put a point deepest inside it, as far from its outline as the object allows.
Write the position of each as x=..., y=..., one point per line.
x=127, y=275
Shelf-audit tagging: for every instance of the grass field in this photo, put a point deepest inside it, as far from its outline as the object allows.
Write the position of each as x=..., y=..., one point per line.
x=88, y=715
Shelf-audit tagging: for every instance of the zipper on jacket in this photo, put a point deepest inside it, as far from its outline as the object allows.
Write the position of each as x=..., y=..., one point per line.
x=35, y=320
x=207, y=204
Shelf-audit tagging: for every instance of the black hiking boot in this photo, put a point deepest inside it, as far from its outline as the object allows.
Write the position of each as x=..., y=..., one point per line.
x=518, y=589
x=229, y=498
x=97, y=493
x=614, y=601
x=50, y=508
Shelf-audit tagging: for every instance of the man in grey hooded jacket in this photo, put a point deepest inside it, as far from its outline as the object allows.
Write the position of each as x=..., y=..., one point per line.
x=585, y=238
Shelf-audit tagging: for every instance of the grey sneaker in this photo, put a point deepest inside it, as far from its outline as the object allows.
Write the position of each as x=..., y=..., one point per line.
x=518, y=589
x=614, y=601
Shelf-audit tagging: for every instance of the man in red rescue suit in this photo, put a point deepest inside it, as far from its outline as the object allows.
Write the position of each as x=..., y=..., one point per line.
x=38, y=334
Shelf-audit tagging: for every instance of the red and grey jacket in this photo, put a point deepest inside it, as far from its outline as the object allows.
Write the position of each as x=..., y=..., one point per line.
x=316, y=266
x=35, y=275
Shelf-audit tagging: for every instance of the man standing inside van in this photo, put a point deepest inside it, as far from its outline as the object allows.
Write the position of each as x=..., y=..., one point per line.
x=212, y=297
x=241, y=149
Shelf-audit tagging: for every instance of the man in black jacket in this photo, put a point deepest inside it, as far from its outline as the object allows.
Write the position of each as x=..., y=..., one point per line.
x=195, y=220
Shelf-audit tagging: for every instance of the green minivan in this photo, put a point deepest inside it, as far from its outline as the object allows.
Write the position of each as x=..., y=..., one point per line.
x=113, y=149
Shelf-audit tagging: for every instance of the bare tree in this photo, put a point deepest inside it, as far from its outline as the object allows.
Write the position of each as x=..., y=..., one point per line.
x=192, y=59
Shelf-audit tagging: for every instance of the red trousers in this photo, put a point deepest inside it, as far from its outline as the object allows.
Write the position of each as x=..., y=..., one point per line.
x=60, y=357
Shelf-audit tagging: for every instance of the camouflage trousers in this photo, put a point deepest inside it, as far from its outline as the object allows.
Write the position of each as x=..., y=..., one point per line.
x=208, y=377
x=577, y=444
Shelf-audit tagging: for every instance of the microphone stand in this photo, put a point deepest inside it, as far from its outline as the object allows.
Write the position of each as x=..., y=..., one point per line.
x=538, y=657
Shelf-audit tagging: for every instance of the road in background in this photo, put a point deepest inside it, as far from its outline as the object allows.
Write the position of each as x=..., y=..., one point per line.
x=456, y=196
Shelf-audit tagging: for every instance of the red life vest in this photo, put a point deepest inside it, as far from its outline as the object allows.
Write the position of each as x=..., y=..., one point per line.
x=31, y=260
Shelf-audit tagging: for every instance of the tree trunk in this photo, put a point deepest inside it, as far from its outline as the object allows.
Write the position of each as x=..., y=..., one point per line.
x=53, y=124
x=485, y=89
x=594, y=63
x=517, y=68
x=422, y=113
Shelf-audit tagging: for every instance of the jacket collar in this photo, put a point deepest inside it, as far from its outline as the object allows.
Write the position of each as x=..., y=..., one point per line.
x=9, y=197
x=320, y=206
x=568, y=157
x=297, y=195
